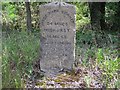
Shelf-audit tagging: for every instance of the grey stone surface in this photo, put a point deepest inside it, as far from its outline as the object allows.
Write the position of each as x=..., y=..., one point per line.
x=57, y=41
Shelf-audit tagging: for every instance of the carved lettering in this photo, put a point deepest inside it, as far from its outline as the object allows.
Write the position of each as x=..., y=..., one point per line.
x=57, y=30
x=57, y=23
x=66, y=13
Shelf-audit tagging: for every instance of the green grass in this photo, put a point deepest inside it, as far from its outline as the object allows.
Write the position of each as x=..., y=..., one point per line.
x=20, y=50
x=94, y=49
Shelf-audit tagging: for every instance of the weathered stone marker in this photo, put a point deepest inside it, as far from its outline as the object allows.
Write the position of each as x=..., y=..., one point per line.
x=57, y=24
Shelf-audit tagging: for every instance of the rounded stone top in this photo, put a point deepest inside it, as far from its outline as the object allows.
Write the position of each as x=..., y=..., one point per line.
x=57, y=4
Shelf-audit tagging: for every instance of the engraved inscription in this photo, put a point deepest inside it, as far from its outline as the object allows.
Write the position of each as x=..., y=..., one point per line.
x=65, y=13
x=57, y=23
x=57, y=30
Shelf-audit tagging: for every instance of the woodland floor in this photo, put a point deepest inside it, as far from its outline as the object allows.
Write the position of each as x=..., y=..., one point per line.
x=80, y=78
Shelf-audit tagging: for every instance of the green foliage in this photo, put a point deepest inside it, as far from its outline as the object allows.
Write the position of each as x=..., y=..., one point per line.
x=9, y=12
x=14, y=14
x=83, y=37
x=82, y=13
x=112, y=15
x=21, y=49
x=19, y=52
x=100, y=50
x=109, y=63
x=93, y=49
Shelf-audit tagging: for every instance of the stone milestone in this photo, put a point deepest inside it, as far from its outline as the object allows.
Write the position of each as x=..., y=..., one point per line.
x=57, y=39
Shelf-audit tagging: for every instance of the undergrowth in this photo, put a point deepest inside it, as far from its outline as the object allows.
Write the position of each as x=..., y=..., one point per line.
x=19, y=52
x=93, y=50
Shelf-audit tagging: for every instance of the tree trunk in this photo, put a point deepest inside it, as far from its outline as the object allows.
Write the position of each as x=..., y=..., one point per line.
x=102, y=20
x=28, y=11
x=118, y=16
x=97, y=15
